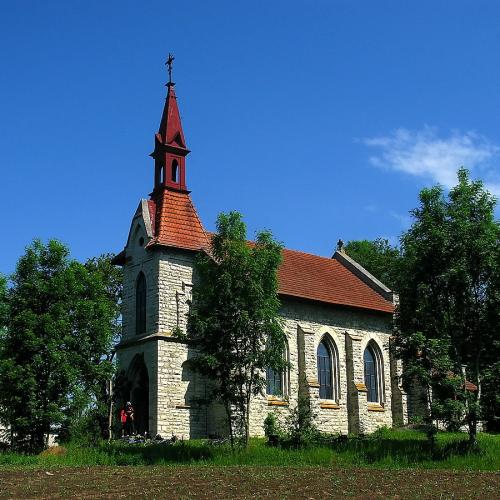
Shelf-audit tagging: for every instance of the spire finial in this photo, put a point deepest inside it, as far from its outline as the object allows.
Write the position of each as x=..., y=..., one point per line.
x=170, y=64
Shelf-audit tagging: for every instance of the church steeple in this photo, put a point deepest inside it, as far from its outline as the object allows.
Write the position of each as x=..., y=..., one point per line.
x=170, y=146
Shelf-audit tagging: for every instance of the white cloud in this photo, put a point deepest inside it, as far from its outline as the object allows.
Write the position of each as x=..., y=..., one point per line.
x=425, y=154
x=404, y=219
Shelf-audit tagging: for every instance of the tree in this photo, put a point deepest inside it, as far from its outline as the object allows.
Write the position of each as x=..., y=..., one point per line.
x=60, y=328
x=95, y=418
x=4, y=306
x=378, y=257
x=234, y=324
x=448, y=318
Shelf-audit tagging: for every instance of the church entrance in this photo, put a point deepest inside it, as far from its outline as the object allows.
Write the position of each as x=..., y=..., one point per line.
x=138, y=379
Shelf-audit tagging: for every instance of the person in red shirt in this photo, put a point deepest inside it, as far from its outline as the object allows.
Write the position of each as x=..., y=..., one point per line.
x=123, y=420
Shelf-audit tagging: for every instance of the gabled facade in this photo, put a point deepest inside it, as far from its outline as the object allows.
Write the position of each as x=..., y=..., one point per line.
x=337, y=320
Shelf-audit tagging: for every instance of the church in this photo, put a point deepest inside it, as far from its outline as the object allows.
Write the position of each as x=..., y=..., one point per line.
x=337, y=318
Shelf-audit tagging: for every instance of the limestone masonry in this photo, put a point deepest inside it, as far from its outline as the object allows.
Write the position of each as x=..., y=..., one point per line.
x=337, y=319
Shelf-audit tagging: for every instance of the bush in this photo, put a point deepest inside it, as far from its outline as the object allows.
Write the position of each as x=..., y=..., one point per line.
x=273, y=429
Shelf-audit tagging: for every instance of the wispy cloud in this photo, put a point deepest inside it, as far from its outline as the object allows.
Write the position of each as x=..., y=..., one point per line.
x=404, y=219
x=425, y=153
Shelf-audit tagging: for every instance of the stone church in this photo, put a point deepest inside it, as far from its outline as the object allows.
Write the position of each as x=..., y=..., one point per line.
x=337, y=319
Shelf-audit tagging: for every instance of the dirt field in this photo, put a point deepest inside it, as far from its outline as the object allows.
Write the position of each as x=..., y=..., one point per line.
x=244, y=482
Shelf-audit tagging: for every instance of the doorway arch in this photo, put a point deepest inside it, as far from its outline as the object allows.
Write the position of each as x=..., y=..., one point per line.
x=138, y=379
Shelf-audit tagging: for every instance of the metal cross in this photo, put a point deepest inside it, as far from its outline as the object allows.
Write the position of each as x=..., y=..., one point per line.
x=170, y=63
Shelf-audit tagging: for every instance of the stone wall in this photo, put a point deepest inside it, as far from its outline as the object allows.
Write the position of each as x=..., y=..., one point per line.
x=177, y=396
x=306, y=324
x=139, y=260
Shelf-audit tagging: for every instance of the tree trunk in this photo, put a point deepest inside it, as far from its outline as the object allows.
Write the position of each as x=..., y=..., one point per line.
x=230, y=423
x=110, y=413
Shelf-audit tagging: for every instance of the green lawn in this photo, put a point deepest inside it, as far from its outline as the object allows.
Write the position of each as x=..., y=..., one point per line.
x=386, y=449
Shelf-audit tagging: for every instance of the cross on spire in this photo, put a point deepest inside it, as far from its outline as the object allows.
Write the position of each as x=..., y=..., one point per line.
x=170, y=64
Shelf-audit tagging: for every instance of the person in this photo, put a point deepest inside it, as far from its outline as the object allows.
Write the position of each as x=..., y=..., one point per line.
x=123, y=420
x=130, y=424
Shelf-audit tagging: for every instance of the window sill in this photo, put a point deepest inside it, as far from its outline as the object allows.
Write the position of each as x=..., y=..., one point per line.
x=361, y=387
x=375, y=407
x=182, y=407
x=329, y=406
x=273, y=401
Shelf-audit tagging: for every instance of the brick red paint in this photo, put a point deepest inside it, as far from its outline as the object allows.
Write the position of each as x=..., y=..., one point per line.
x=170, y=147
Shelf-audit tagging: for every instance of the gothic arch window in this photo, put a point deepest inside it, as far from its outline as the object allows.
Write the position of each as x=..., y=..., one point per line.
x=328, y=370
x=277, y=381
x=374, y=373
x=140, y=304
x=175, y=171
x=163, y=175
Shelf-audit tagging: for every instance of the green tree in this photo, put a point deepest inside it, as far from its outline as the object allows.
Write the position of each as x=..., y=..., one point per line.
x=92, y=418
x=60, y=329
x=378, y=257
x=449, y=298
x=4, y=307
x=234, y=324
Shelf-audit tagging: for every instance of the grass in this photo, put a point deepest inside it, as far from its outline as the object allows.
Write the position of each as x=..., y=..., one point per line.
x=386, y=449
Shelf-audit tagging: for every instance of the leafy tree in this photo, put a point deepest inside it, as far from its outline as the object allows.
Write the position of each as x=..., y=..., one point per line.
x=60, y=329
x=378, y=257
x=234, y=324
x=448, y=317
x=91, y=422
x=3, y=305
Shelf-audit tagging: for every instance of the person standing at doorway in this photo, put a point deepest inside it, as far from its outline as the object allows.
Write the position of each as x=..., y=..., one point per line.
x=130, y=423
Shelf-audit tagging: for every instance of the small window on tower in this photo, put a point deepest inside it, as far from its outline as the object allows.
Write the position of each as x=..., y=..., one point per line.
x=141, y=241
x=175, y=171
x=163, y=175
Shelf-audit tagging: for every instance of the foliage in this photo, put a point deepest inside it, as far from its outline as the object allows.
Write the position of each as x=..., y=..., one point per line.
x=298, y=430
x=378, y=257
x=448, y=318
x=387, y=448
x=4, y=306
x=234, y=325
x=272, y=429
x=301, y=430
x=56, y=350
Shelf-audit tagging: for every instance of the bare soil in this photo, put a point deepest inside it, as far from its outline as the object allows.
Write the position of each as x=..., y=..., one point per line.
x=245, y=482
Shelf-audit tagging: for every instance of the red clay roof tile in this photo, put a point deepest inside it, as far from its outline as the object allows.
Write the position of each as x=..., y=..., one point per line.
x=326, y=280
x=175, y=222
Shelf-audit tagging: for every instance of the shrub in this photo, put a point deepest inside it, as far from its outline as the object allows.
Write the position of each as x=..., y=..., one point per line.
x=273, y=429
x=301, y=430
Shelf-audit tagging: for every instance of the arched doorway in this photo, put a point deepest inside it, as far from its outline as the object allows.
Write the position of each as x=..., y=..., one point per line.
x=138, y=378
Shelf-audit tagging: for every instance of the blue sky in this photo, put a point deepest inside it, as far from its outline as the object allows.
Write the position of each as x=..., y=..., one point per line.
x=316, y=119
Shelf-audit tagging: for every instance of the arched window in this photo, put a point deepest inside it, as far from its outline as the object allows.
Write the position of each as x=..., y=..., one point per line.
x=140, y=305
x=175, y=171
x=277, y=380
x=374, y=375
x=163, y=175
x=328, y=373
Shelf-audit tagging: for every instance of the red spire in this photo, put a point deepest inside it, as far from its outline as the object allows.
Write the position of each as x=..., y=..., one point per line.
x=170, y=146
x=170, y=131
x=174, y=218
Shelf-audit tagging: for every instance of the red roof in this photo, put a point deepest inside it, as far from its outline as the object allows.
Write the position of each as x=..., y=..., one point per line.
x=326, y=280
x=175, y=222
